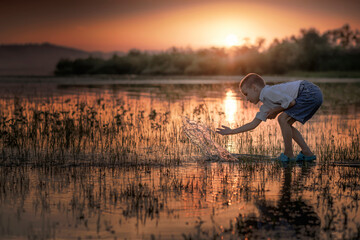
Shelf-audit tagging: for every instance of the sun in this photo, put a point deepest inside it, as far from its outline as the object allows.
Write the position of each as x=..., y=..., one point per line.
x=231, y=40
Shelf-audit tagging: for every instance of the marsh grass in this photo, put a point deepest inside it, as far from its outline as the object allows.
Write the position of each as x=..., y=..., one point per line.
x=85, y=133
x=110, y=128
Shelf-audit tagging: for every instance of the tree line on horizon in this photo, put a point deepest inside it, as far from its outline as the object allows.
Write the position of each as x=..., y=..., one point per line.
x=334, y=50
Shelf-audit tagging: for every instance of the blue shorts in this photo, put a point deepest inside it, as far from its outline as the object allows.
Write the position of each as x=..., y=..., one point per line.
x=308, y=101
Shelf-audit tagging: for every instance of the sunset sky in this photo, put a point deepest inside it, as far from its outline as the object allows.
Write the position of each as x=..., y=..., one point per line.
x=109, y=25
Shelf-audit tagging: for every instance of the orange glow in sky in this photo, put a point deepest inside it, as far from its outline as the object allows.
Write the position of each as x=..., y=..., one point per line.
x=221, y=24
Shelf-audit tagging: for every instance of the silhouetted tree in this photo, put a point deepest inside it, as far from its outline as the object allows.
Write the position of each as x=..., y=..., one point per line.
x=344, y=37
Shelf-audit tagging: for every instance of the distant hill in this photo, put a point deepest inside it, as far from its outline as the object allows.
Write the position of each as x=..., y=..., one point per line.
x=35, y=59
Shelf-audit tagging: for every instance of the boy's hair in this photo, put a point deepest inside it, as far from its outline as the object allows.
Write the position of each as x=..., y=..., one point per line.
x=252, y=79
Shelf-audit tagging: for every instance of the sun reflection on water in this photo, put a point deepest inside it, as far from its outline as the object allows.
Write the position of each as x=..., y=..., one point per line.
x=230, y=104
x=230, y=107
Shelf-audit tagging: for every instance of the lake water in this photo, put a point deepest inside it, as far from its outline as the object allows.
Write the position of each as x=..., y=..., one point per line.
x=110, y=160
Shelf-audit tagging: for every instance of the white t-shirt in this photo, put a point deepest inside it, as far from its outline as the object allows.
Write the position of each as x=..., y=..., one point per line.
x=277, y=95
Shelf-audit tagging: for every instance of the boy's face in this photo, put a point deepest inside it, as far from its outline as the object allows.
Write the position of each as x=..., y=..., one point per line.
x=251, y=93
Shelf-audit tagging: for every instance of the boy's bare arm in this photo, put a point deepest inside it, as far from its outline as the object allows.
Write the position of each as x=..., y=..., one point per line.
x=246, y=127
x=275, y=111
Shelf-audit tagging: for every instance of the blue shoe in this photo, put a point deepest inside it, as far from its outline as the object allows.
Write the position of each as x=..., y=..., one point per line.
x=302, y=157
x=284, y=158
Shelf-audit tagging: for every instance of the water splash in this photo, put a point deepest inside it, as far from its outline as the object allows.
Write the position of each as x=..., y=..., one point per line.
x=200, y=135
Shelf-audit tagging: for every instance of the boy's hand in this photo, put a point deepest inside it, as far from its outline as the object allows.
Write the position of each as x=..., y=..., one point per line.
x=224, y=130
x=273, y=113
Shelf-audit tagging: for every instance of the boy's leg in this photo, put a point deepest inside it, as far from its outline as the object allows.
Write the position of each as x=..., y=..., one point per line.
x=298, y=138
x=286, y=130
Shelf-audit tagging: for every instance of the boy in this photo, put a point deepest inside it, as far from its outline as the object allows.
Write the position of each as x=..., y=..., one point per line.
x=294, y=101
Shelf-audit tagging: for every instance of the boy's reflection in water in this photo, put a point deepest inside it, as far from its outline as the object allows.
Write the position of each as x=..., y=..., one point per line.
x=290, y=217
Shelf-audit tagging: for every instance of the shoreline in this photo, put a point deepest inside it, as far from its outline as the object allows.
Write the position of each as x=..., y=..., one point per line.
x=150, y=80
